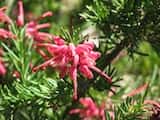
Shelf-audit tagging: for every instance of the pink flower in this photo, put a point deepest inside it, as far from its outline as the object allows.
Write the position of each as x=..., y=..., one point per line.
x=5, y=34
x=46, y=14
x=41, y=36
x=69, y=59
x=20, y=19
x=58, y=40
x=2, y=68
x=90, y=110
x=33, y=28
x=3, y=17
x=87, y=58
x=86, y=71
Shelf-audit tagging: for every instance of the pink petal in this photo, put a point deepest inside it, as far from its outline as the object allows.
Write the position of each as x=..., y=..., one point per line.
x=72, y=51
x=60, y=60
x=85, y=71
x=41, y=26
x=31, y=29
x=41, y=36
x=32, y=24
x=2, y=69
x=80, y=49
x=47, y=14
x=58, y=40
x=63, y=71
x=101, y=73
x=75, y=60
x=44, y=65
x=6, y=34
x=42, y=53
x=86, y=102
x=74, y=111
x=20, y=19
x=90, y=110
x=85, y=60
x=94, y=55
x=89, y=45
x=4, y=18
x=73, y=75
x=55, y=50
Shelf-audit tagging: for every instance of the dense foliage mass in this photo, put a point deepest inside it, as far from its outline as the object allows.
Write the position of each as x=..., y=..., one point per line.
x=89, y=60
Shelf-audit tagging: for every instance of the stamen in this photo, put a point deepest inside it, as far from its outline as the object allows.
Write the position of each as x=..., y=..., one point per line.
x=101, y=73
x=41, y=26
x=42, y=66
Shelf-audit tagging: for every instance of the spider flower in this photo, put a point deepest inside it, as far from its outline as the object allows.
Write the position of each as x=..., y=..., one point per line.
x=71, y=59
x=90, y=110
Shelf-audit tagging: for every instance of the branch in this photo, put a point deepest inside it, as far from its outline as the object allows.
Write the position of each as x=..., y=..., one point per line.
x=109, y=57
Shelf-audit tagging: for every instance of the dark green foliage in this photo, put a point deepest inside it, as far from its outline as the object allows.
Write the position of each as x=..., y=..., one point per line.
x=125, y=23
x=130, y=109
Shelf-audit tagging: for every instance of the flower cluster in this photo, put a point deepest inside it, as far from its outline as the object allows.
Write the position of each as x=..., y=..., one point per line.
x=69, y=59
x=5, y=34
x=90, y=110
x=3, y=17
x=32, y=29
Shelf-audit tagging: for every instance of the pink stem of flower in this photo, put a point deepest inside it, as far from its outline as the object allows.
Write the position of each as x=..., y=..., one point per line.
x=137, y=90
x=4, y=18
x=47, y=14
x=42, y=66
x=20, y=20
x=101, y=73
x=6, y=34
x=42, y=53
x=152, y=102
x=2, y=69
x=43, y=45
x=75, y=89
x=41, y=26
x=103, y=117
x=3, y=8
x=44, y=15
x=74, y=111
